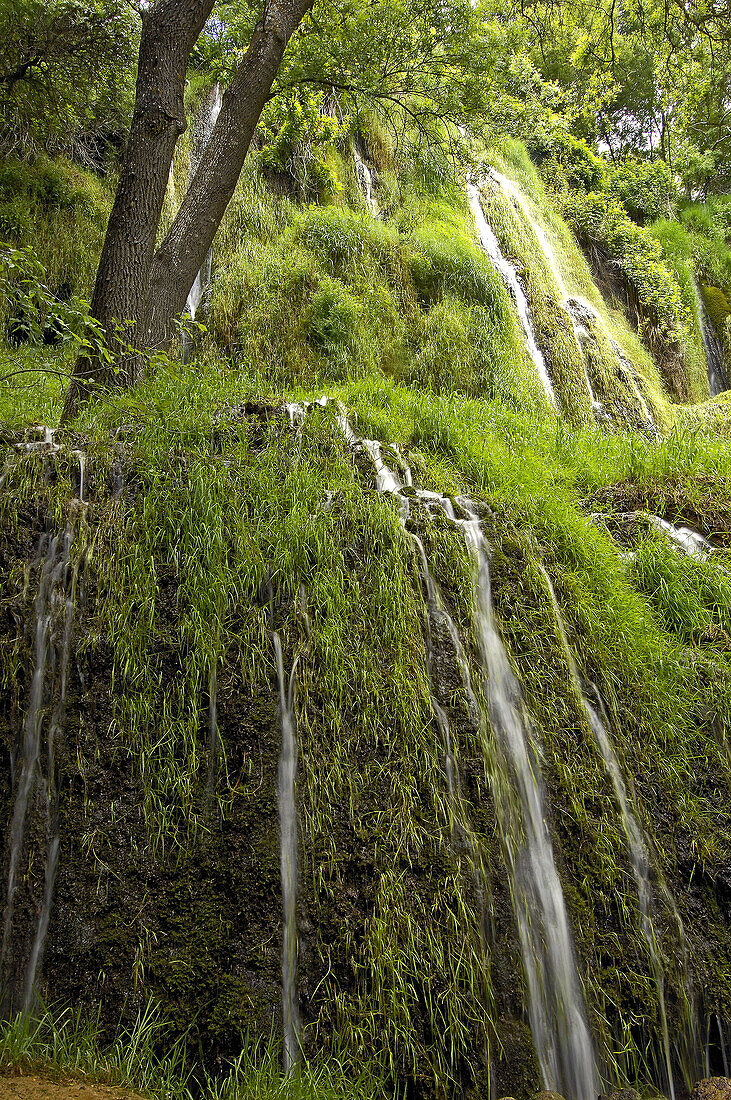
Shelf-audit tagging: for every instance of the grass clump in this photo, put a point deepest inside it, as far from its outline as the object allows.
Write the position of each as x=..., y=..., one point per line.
x=142, y=1057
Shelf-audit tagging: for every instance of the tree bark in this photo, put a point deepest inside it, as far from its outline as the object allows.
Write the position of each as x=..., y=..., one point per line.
x=170, y=29
x=184, y=249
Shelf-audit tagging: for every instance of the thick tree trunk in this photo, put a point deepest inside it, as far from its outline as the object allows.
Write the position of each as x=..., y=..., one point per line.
x=170, y=29
x=183, y=251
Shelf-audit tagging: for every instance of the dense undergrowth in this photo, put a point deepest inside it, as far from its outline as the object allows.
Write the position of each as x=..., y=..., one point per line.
x=213, y=520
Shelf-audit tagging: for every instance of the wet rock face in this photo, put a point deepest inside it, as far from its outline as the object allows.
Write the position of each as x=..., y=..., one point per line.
x=712, y=1088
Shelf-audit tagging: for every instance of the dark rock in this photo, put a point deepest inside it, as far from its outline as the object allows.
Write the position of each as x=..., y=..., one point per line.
x=712, y=1088
x=621, y=1094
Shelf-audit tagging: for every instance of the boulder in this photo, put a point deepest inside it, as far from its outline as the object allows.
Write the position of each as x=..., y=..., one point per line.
x=712, y=1088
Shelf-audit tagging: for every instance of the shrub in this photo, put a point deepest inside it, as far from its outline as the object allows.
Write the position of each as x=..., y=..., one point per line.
x=601, y=218
x=331, y=320
x=644, y=187
x=342, y=239
x=562, y=156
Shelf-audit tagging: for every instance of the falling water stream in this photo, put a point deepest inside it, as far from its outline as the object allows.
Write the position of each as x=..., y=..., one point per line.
x=636, y=840
x=713, y=347
x=365, y=179
x=55, y=731
x=686, y=539
x=556, y=1008
x=555, y=1000
x=53, y=563
x=205, y=124
x=54, y=610
x=288, y=860
x=581, y=313
x=508, y=274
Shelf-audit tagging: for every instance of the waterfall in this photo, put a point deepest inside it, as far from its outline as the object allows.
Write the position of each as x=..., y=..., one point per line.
x=54, y=613
x=635, y=384
x=31, y=744
x=574, y=307
x=54, y=609
x=556, y=1009
x=288, y=860
x=508, y=274
x=713, y=347
x=685, y=538
x=204, y=128
x=55, y=731
x=580, y=312
x=636, y=840
x=365, y=179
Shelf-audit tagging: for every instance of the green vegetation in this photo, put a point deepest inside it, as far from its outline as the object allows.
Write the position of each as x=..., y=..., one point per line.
x=66, y=1043
x=215, y=516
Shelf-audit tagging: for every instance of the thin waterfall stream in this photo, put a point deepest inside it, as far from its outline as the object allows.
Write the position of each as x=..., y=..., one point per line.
x=636, y=840
x=286, y=800
x=54, y=732
x=555, y=999
x=53, y=554
x=508, y=274
x=580, y=312
x=712, y=346
x=365, y=179
x=206, y=122
x=54, y=610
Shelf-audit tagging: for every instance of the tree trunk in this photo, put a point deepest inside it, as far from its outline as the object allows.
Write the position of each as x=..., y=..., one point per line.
x=183, y=251
x=170, y=29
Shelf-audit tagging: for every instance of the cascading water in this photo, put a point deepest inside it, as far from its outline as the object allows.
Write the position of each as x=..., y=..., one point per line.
x=54, y=611
x=365, y=178
x=689, y=541
x=635, y=384
x=31, y=744
x=204, y=128
x=508, y=274
x=581, y=314
x=575, y=307
x=636, y=840
x=713, y=347
x=54, y=608
x=556, y=1009
x=286, y=801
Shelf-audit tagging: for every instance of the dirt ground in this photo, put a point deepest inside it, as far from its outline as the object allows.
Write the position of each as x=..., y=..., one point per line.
x=40, y=1088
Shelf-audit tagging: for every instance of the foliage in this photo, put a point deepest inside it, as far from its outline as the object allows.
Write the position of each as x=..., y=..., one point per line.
x=60, y=211
x=67, y=1041
x=332, y=318
x=634, y=250
x=298, y=134
x=35, y=314
x=645, y=187
x=66, y=76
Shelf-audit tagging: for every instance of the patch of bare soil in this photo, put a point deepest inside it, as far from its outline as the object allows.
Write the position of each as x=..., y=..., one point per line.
x=41, y=1088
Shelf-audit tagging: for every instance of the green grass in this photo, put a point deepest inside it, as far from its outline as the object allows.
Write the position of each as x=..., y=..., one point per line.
x=140, y=1056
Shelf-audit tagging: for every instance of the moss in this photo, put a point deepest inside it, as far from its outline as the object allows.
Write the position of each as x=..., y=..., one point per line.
x=718, y=307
